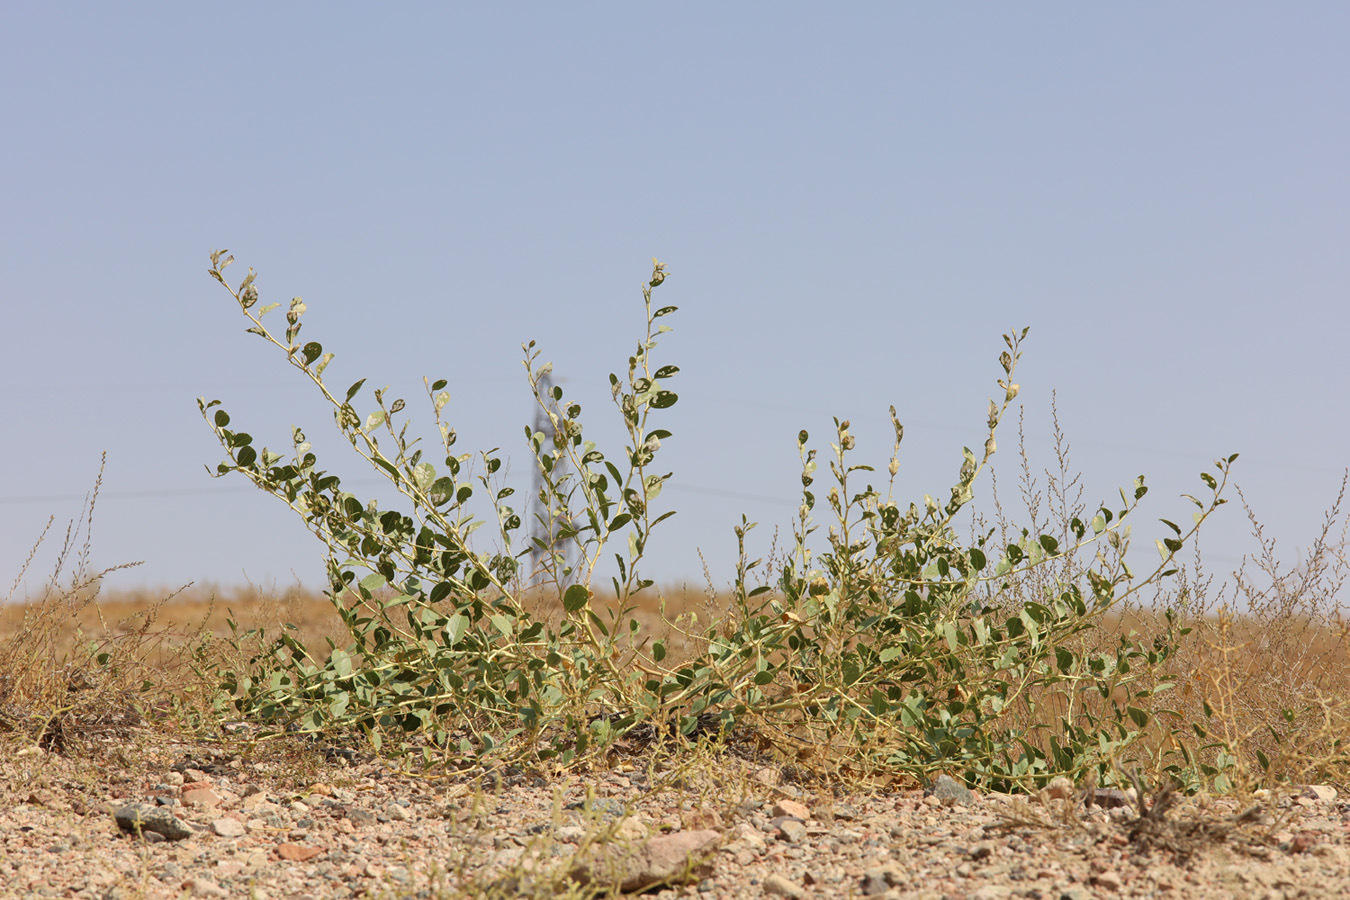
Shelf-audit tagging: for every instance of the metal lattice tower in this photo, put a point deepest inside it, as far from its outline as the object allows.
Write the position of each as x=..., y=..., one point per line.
x=543, y=527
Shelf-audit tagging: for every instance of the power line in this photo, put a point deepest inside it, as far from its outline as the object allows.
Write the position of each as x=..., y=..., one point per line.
x=184, y=492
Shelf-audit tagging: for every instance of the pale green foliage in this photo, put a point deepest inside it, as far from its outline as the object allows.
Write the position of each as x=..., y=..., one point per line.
x=897, y=647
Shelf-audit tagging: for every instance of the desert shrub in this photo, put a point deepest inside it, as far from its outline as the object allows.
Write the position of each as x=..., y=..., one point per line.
x=892, y=645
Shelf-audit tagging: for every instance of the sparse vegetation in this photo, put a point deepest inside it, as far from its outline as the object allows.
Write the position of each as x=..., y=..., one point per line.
x=885, y=645
x=892, y=641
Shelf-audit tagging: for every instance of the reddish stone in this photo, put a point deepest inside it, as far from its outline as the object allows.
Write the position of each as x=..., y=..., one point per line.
x=201, y=797
x=297, y=852
x=791, y=808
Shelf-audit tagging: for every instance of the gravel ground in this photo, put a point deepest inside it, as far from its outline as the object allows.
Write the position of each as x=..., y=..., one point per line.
x=283, y=827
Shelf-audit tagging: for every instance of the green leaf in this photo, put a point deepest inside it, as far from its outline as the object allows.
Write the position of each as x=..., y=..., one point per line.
x=949, y=633
x=664, y=311
x=576, y=598
x=222, y=418
x=442, y=491
x=664, y=399
x=424, y=476
x=311, y=351
x=455, y=627
x=352, y=391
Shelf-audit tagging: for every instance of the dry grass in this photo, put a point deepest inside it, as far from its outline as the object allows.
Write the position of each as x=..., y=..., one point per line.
x=1263, y=676
x=1238, y=663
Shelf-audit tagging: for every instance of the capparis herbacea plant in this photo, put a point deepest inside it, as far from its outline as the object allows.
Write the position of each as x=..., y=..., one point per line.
x=893, y=645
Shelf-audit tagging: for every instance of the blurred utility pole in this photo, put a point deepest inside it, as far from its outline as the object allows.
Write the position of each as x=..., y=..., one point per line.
x=544, y=540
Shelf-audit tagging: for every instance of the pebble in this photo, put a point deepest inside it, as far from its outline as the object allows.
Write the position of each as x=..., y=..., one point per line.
x=297, y=852
x=791, y=808
x=204, y=887
x=200, y=797
x=950, y=792
x=779, y=886
x=1059, y=788
x=228, y=827
x=151, y=822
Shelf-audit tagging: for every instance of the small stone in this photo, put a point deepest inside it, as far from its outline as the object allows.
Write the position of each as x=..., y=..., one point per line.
x=175, y=779
x=746, y=836
x=681, y=857
x=982, y=850
x=951, y=792
x=889, y=876
x=1075, y=893
x=360, y=817
x=397, y=813
x=202, y=798
x=782, y=887
x=990, y=892
x=791, y=808
x=606, y=808
x=1322, y=793
x=1108, y=798
x=874, y=885
x=146, y=820
x=202, y=887
x=1108, y=879
x=297, y=852
x=792, y=830
x=1060, y=788
x=769, y=775
x=228, y=827
x=631, y=830
x=229, y=868
x=701, y=819
x=1304, y=841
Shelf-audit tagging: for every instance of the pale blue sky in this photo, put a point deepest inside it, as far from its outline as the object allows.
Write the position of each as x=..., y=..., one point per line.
x=855, y=202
